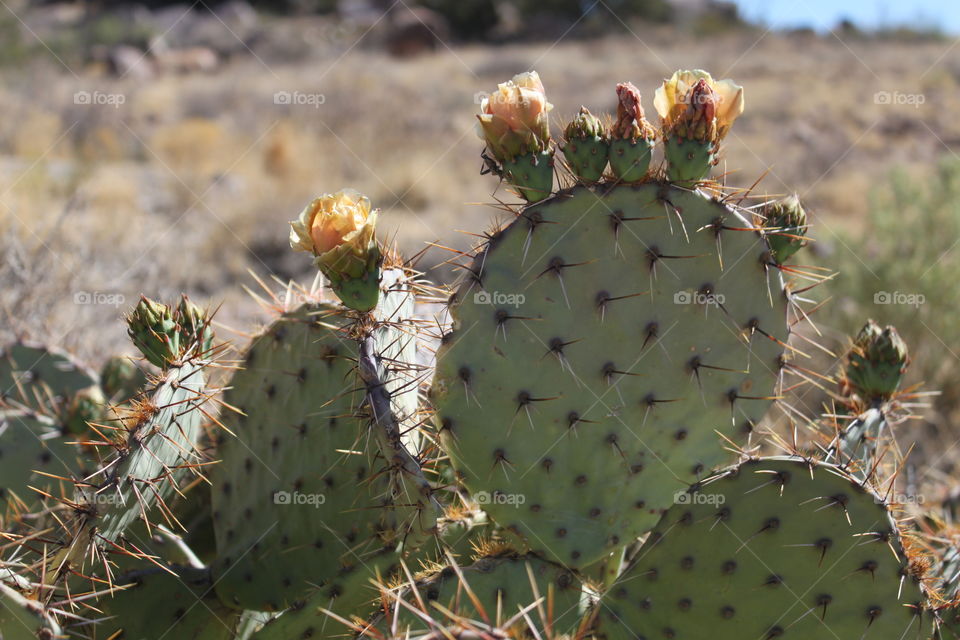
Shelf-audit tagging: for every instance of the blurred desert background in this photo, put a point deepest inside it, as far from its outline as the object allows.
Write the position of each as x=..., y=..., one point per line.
x=162, y=147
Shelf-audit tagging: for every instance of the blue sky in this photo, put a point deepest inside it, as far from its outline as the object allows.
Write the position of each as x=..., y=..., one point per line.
x=821, y=14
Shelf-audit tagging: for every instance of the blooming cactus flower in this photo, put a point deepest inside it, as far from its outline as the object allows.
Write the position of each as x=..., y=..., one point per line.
x=693, y=105
x=631, y=123
x=513, y=119
x=339, y=229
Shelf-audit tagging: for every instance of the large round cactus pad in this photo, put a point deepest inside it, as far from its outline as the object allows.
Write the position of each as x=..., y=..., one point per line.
x=606, y=343
x=775, y=548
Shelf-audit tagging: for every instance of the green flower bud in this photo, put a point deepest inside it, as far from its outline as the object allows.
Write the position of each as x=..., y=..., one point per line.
x=785, y=224
x=877, y=361
x=154, y=332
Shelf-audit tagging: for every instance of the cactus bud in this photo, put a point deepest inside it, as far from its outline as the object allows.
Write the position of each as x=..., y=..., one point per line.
x=583, y=126
x=586, y=147
x=877, y=361
x=633, y=137
x=339, y=229
x=631, y=123
x=194, y=326
x=154, y=332
x=696, y=113
x=87, y=405
x=514, y=124
x=785, y=225
x=121, y=378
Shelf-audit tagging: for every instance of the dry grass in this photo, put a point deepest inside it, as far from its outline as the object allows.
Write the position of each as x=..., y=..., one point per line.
x=190, y=182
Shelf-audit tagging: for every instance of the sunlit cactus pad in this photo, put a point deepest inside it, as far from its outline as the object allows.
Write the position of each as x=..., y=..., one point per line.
x=779, y=547
x=603, y=345
x=295, y=496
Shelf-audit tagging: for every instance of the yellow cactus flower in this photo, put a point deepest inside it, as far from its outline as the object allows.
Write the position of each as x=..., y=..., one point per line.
x=332, y=220
x=339, y=229
x=693, y=105
x=513, y=119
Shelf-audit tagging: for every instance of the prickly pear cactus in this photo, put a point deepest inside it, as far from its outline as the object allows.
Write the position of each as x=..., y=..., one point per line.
x=776, y=547
x=24, y=619
x=353, y=592
x=156, y=455
x=496, y=589
x=35, y=375
x=175, y=602
x=34, y=456
x=640, y=324
x=302, y=490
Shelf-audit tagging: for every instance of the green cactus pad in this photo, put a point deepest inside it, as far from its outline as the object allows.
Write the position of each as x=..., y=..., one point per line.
x=688, y=160
x=587, y=157
x=297, y=494
x=774, y=548
x=531, y=174
x=630, y=159
x=34, y=375
x=24, y=619
x=598, y=355
x=503, y=585
x=153, y=457
x=353, y=591
x=156, y=603
x=31, y=444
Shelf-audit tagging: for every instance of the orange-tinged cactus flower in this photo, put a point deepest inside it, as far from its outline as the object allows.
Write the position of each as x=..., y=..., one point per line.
x=332, y=220
x=513, y=120
x=693, y=105
x=339, y=229
x=631, y=124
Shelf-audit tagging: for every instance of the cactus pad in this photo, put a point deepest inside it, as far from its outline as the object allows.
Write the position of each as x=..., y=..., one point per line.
x=606, y=338
x=503, y=585
x=24, y=619
x=31, y=446
x=154, y=455
x=156, y=603
x=34, y=375
x=778, y=547
x=295, y=496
